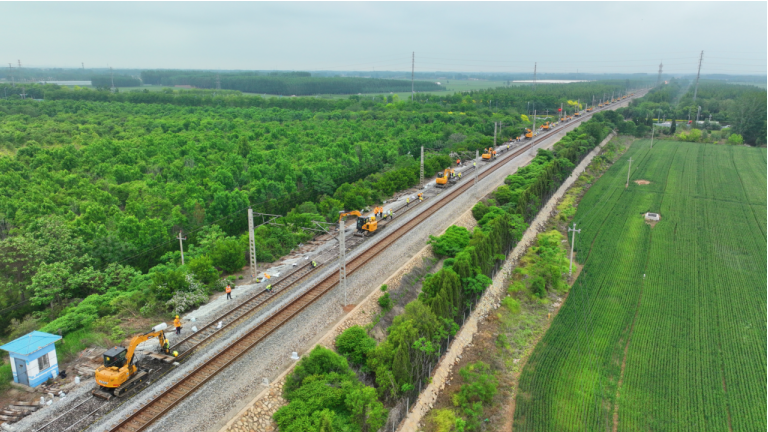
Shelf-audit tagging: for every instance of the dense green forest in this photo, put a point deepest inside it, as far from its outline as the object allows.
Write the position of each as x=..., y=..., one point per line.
x=743, y=107
x=94, y=192
x=284, y=83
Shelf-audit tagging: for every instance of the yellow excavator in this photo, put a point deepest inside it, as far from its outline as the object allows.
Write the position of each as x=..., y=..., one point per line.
x=589, y=109
x=446, y=178
x=486, y=157
x=545, y=126
x=119, y=373
x=528, y=133
x=564, y=118
x=365, y=225
x=577, y=114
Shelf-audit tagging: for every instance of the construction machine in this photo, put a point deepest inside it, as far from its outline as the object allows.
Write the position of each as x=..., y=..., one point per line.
x=528, y=133
x=545, y=126
x=577, y=113
x=446, y=178
x=119, y=373
x=365, y=225
x=589, y=109
x=486, y=155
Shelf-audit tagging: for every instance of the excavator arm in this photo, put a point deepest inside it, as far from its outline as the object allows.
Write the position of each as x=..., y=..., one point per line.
x=160, y=335
x=343, y=214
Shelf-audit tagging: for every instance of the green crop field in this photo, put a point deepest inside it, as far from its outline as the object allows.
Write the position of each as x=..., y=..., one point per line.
x=665, y=328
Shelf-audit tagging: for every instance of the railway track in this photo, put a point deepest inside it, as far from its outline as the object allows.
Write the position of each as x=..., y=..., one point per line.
x=152, y=410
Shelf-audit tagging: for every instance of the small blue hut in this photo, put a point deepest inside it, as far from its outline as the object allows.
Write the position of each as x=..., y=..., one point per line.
x=33, y=358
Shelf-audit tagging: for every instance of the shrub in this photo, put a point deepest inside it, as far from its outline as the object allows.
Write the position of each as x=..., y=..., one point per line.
x=512, y=304
x=479, y=210
x=479, y=387
x=452, y=242
x=383, y=288
x=385, y=302
x=539, y=287
x=229, y=255
x=735, y=139
x=445, y=420
x=203, y=269
x=354, y=344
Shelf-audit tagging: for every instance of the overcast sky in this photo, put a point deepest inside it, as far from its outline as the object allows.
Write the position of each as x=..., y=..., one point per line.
x=446, y=36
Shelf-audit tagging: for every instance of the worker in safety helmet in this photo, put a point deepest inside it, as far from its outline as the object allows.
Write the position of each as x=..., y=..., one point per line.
x=166, y=347
x=229, y=292
x=269, y=288
x=314, y=264
x=177, y=324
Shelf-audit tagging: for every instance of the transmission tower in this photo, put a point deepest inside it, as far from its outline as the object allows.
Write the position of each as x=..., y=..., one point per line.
x=82, y=65
x=534, y=76
x=10, y=72
x=658, y=80
x=218, y=82
x=112, y=78
x=413, y=67
x=696, y=90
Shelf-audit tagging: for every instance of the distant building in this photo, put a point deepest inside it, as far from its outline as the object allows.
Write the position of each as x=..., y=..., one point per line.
x=67, y=83
x=33, y=358
x=184, y=86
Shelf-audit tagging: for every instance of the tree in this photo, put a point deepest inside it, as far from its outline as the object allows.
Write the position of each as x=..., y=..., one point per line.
x=735, y=139
x=748, y=114
x=50, y=283
x=203, y=269
x=354, y=344
x=401, y=366
x=229, y=255
x=673, y=126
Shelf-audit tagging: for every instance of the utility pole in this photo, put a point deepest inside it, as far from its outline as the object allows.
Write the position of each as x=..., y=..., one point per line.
x=653, y=130
x=697, y=116
x=421, y=169
x=534, y=122
x=181, y=246
x=342, y=261
x=696, y=90
x=628, y=171
x=413, y=67
x=251, y=243
x=494, y=135
x=573, y=240
x=477, y=168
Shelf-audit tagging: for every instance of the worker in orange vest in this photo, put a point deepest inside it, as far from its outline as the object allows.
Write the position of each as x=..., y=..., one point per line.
x=177, y=324
x=229, y=292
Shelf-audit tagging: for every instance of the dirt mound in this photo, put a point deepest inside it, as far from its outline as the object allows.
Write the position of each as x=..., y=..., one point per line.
x=642, y=182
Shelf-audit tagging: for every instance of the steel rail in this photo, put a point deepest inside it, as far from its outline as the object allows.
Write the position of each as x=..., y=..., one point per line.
x=152, y=410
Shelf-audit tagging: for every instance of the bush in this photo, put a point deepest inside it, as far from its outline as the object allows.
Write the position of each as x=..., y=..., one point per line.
x=229, y=255
x=479, y=210
x=354, y=344
x=735, y=139
x=511, y=304
x=203, y=269
x=479, y=387
x=385, y=302
x=539, y=287
x=444, y=420
x=383, y=288
x=452, y=242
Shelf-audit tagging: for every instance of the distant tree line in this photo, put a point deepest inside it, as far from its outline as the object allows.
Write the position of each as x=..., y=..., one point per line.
x=119, y=81
x=284, y=83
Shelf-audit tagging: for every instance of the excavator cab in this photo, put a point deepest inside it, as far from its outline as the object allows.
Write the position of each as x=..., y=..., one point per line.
x=528, y=133
x=115, y=357
x=366, y=226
